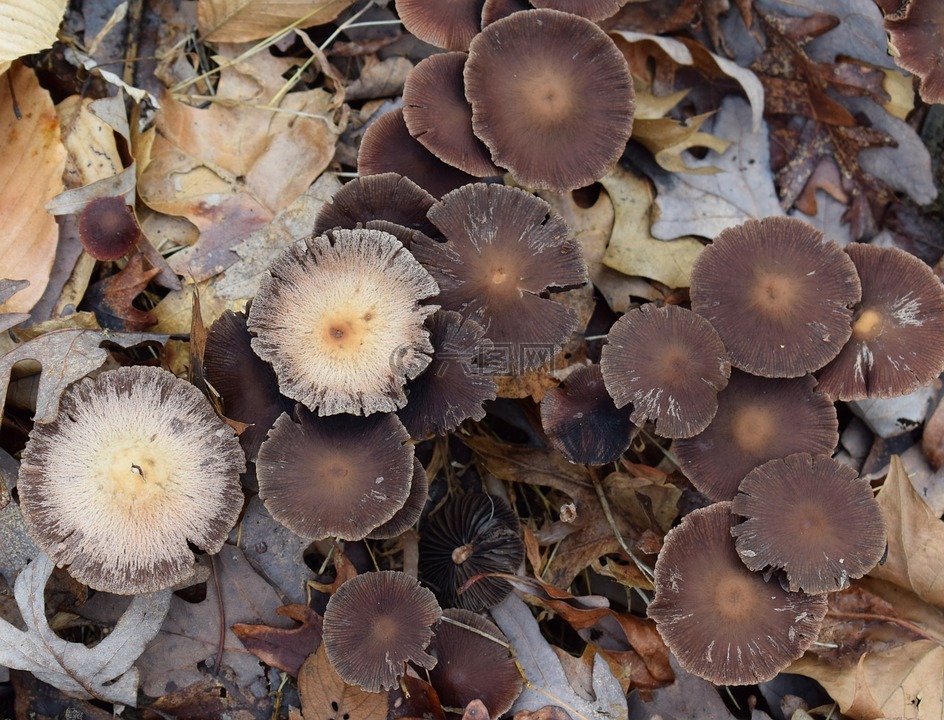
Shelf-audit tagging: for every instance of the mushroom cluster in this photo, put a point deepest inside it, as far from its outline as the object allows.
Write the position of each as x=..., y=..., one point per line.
x=519, y=80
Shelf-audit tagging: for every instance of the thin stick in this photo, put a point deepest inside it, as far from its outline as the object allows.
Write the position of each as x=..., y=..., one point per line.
x=643, y=568
x=219, y=599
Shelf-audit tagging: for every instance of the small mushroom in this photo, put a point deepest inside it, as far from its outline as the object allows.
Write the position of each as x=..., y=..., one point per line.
x=135, y=468
x=812, y=517
x=341, y=476
x=670, y=364
x=449, y=24
x=723, y=622
x=779, y=295
x=470, y=535
x=339, y=318
x=108, y=229
x=897, y=343
x=376, y=623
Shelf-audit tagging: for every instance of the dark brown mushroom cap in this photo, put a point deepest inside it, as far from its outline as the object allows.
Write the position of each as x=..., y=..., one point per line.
x=438, y=115
x=470, y=666
x=915, y=32
x=723, y=622
x=387, y=146
x=494, y=10
x=339, y=318
x=897, y=342
x=811, y=516
x=582, y=422
x=456, y=383
x=758, y=419
x=246, y=383
x=595, y=10
x=374, y=624
x=552, y=98
x=501, y=256
x=449, y=24
x=388, y=196
x=108, y=229
x=778, y=294
x=406, y=516
x=670, y=364
x=471, y=534
x=134, y=468
x=340, y=476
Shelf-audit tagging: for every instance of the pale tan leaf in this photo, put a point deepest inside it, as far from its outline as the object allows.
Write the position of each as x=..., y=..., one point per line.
x=30, y=173
x=28, y=26
x=324, y=694
x=242, y=20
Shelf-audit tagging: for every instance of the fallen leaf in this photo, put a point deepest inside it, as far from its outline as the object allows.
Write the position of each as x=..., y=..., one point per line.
x=28, y=26
x=16, y=546
x=111, y=299
x=325, y=695
x=105, y=671
x=476, y=710
x=687, y=697
x=241, y=20
x=548, y=712
x=8, y=288
x=418, y=702
x=284, y=648
x=30, y=173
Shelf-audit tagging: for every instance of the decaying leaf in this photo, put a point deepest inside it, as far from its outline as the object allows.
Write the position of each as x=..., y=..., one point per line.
x=241, y=20
x=325, y=695
x=687, y=697
x=111, y=299
x=105, y=671
x=28, y=26
x=8, y=288
x=285, y=649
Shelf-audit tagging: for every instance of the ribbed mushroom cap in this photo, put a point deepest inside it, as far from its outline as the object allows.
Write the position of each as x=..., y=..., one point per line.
x=374, y=624
x=135, y=466
x=470, y=666
x=438, y=115
x=471, y=534
x=245, y=382
x=595, y=10
x=915, y=32
x=670, y=364
x=340, y=476
x=582, y=422
x=388, y=196
x=551, y=97
x=811, y=516
x=449, y=24
x=723, y=622
x=406, y=516
x=897, y=342
x=778, y=294
x=387, y=146
x=758, y=419
x=339, y=318
x=108, y=229
x=456, y=383
x=494, y=10
x=501, y=256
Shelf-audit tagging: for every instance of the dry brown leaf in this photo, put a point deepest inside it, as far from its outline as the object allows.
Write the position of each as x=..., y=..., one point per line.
x=30, y=173
x=284, y=648
x=241, y=20
x=325, y=695
x=28, y=26
x=111, y=299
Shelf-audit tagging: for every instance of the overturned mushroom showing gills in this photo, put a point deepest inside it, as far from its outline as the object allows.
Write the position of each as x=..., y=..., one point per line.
x=339, y=318
x=340, y=476
x=449, y=24
x=136, y=467
x=897, y=343
x=374, y=624
x=471, y=534
x=503, y=254
x=812, y=517
x=551, y=96
x=779, y=295
x=670, y=364
x=723, y=622
x=108, y=229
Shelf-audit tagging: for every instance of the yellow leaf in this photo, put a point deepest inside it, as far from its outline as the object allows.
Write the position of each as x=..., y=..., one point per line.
x=242, y=20
x=28, y=26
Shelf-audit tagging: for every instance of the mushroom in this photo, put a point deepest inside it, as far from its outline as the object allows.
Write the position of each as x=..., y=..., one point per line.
x=915, y=32
x=494, y=10
x=406, y=516
x=135, y=468
x=449, y=24
x=723, y=622
x=897, y=343
x=778, y=294
x=551, y=96
x=582, y=422
x=341, y=476
x=387, y=146
x=438, y=115
x=374, y=624
x=339, y=318
x=501, y=257
x=595, y=10
x=108, y=229
x=758, y=419
x=472, y=534
x=811, y=516
x=670, y=364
